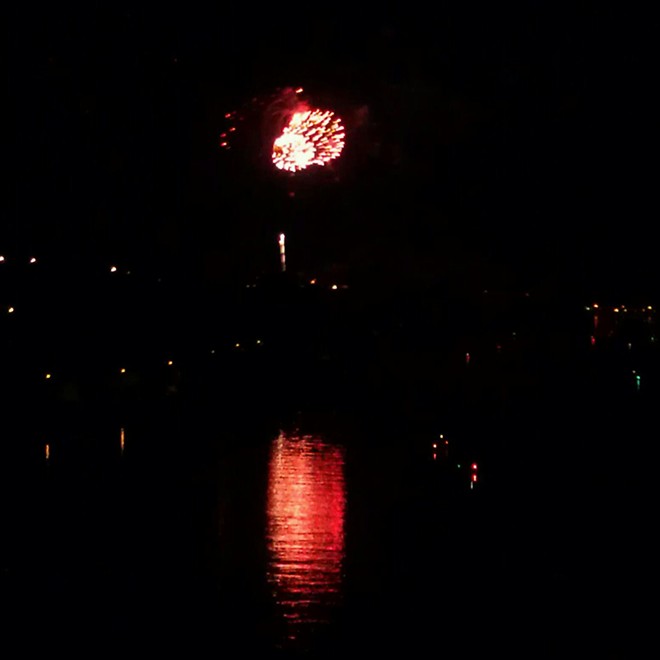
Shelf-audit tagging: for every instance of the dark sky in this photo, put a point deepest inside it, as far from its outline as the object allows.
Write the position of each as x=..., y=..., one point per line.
x=502, y=145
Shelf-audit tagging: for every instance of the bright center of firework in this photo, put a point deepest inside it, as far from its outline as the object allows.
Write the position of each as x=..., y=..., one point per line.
x=292, y=151
x=313, y=137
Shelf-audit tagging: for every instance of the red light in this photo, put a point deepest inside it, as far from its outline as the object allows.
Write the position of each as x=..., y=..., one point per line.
x=474, y=466
x=305, y=508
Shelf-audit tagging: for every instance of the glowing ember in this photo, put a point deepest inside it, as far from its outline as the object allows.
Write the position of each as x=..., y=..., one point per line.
x=312, y=137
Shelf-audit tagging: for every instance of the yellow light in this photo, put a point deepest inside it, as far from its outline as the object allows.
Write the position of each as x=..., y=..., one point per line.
x=313, y=281
x=122, y=370
x=47, y=448
x=237, y=345
x=258, y=341
x=170, y=363
x=595, y=305
x=649, y=308
x=616, y=309
x=47, y=376
x=334, y=287
x=10, y=310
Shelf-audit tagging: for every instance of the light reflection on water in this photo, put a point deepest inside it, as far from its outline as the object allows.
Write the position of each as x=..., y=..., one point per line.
x=305, y=531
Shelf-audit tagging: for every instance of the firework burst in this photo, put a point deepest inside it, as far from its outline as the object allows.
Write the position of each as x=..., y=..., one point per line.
x=312, y=137
x=285, y=131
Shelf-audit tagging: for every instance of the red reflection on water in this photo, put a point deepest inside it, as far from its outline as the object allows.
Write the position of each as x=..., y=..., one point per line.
x=305, y=529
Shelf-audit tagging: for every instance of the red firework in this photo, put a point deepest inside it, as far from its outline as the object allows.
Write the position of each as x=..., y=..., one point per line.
x=294, y=136
x=312, y=137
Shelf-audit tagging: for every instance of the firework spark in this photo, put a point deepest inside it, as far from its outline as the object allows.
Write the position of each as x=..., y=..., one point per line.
x=312, y=137
x=285, y=130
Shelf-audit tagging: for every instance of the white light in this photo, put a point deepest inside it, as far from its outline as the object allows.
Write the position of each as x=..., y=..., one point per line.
x=282, y=253
x=113, y=269
x=1, y=258
x=10, y=310
x=334, y=287
x=33, y=260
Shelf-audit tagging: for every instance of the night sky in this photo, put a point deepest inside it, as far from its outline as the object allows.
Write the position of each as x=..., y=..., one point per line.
x=497, y=146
